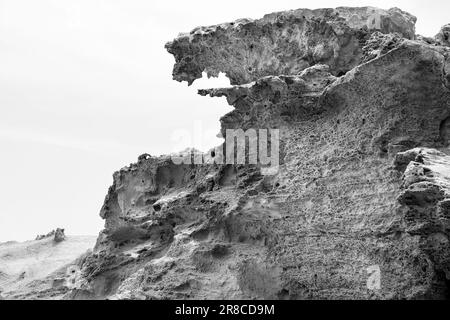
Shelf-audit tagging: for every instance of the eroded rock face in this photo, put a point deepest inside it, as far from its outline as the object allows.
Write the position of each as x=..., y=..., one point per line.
x=284, y=43
x=363, y=182
x=425, y=201
x=443, y=37
x=275, y=101
x=379, y=44
x=59, y=235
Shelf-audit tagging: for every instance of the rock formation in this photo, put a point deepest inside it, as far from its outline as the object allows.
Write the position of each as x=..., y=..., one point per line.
x=57, y=235
x=443, y=37
x=45, y=236
x=363, y=109
x=284, y=43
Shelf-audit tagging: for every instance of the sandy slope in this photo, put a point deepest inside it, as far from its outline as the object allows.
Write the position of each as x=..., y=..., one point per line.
x=24, y=263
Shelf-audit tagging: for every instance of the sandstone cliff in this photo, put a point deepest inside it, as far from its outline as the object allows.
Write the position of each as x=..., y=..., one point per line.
x=363, y=109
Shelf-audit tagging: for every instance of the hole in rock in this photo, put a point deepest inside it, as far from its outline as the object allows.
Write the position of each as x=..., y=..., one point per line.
x=199, y=123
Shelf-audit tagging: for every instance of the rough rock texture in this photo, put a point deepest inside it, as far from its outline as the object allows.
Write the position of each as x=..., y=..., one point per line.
x=443, y=37
x=364, y=116
x=284, y=43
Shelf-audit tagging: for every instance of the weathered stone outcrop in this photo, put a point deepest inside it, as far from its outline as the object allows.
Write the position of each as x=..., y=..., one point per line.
x=57, y=235
x=363, y=111
x=443, y=37
x=42, y=269
x=284, y=43
x=425, y=210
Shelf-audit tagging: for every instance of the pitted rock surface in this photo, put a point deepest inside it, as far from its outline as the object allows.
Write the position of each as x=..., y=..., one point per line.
x=284, y=43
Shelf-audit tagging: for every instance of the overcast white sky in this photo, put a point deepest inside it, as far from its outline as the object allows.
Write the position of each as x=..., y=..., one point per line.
x=85, y=87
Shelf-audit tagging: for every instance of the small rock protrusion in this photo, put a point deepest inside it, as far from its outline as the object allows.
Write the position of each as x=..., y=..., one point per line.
x=59, y=235
x=443, y=37
x=144, y=156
